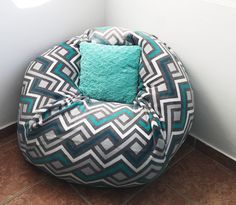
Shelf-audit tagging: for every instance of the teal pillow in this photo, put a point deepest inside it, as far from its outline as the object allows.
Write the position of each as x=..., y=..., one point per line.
x=109, y=73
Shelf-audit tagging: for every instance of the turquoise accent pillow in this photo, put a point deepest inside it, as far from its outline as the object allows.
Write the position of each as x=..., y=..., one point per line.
x=108, y=72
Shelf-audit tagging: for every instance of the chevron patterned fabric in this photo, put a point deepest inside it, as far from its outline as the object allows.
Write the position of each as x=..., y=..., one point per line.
x=90, y=142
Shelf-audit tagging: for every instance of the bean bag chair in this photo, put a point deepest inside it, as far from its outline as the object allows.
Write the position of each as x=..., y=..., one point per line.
x=87, y=141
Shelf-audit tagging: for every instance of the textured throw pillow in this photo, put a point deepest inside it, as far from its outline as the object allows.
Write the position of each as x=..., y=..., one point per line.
x=109, y=73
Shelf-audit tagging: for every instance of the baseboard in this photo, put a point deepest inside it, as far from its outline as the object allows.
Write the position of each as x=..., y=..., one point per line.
x=213, y=147
x=212, y=152
x=7, y=125
x=6, y=131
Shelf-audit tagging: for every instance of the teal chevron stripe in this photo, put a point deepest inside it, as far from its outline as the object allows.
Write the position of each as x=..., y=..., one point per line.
x=144, y=125
x=28, y=101
x=76, y=104
x=120, y=166
x=56, y=156
x=47, y=115
x=103, y=28
x=68, y=48
x=62, y=75
x=171, y=87
x=157, y=49
x=178, y=125
x=110, y=117
x=43, y=130
x=100, y=39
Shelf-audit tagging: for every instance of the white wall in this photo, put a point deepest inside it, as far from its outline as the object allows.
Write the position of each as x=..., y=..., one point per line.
x=203, y=33
x=25, y=33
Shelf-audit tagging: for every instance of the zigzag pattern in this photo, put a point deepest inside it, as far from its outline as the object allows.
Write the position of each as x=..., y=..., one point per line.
x=97, y=143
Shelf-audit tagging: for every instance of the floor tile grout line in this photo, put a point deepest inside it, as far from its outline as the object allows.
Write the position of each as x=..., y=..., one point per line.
x=8, y=142
x=19, y=193
x=81, y=195
x=180, y=159
x=134, y=195
x=194, y=142
x=227, y=170
x=181, y=195
x=141, y=189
